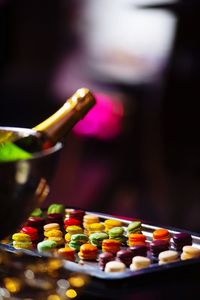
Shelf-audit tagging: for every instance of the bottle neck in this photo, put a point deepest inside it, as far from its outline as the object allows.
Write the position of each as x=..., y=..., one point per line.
x=74, y=109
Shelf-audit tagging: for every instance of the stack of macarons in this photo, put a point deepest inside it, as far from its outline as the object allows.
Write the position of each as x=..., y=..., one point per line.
x=110, y=223
x=168, y=256
x=67, y=253
x=139, y=263
x=21, y=241
x=95, y=227
x=158, y=246
x=88, y=252
x=110, y=245
x=52, y=232
x=37, y=222
x=97, y=238
x=161, y=234
x=77, y=240
x=104, y=258
x=134, y=227
x=189, y=252
x=181, y=239
x=73, y=229
x=32, y=232
x=135, y=239
x=117, y=233
x=88, y=220
x=125, y=256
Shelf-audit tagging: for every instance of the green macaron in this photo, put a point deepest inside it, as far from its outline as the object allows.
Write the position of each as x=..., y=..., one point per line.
x=97, y=238
x=116, y=232
x=56, y=208
x=37, y=212
x=77, y=240
x=46, y=246
x=134, y=227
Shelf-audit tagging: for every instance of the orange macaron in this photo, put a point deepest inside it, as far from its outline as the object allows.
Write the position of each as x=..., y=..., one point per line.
x=136, y=239
x=161, y=234
x=88, y=252
x=110, y=245
x=67, y=253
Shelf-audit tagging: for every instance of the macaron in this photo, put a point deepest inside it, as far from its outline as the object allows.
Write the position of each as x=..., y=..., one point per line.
x=68, y=212
x=55, y=218
x=88, y=252
x=115, y=266
x=89, y=219
x=161, y=234
x=53, y=233
x=181, y=239
x=139, y=250
x=95, y=227
x=77, y=240
x=46, y=246
x=56, y=208
x=67, y=253
x=77, y=214
x=190, y=252
x=158, y=246
x=71, y=221
x=125, y=256
x=110, y=223
x=36, y=222
x=134, y=227
x=97, y=238
x=51, y=226
x=135, y=239
x=31, y=231
x=117, y=233
x=139, y=263
x=168, y=256
x=110, y=245
x=37, y=212
x=74, y=229
x=21, y=241
x=104, y=258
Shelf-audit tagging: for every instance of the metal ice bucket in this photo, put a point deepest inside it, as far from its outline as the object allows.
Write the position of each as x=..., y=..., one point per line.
x=24, y=184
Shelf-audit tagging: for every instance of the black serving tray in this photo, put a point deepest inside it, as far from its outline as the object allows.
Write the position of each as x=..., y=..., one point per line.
x=120, y=283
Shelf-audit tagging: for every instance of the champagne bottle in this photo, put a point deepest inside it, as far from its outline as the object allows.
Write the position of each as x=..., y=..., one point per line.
x=49, y=131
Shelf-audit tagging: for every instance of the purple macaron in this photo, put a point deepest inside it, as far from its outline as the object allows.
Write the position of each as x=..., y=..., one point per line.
x=158, y=246
x=104, y=258
x=139, y=250
x=181, y=239
x=125, y=256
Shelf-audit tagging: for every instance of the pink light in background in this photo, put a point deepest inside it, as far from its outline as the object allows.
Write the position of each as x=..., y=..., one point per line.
x=104, y=121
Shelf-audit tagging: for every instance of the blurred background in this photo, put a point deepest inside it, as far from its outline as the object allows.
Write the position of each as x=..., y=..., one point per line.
x=137, y=153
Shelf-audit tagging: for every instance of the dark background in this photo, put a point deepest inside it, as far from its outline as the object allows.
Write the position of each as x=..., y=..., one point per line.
x=151, y=170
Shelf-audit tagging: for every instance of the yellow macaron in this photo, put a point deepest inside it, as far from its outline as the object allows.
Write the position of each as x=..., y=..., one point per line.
x=51, y=226
x=168, y=256
x=21, y=241
x=190, y=252
x=53, y=233
x=110, y=223
x=140, y=262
